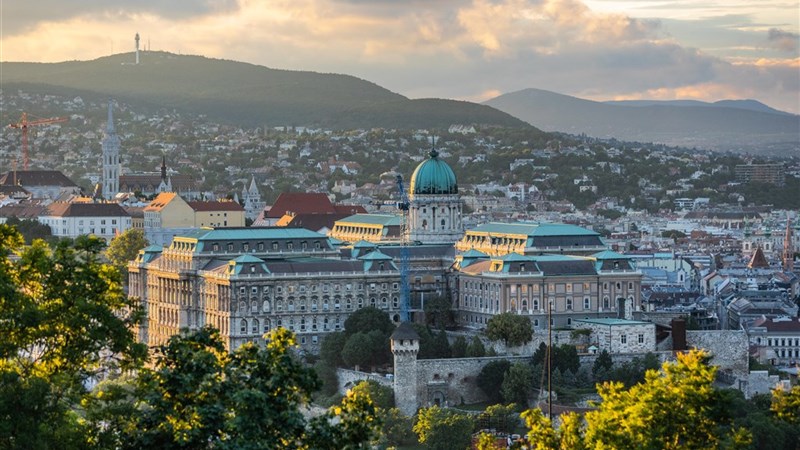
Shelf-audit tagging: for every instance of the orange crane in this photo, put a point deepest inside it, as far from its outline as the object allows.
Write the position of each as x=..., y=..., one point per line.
x=23, y=125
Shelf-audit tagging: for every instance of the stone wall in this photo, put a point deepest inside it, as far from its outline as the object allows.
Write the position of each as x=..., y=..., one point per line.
x=348, y=378
x=728, y=350
x=760, y=382
x=452, y=381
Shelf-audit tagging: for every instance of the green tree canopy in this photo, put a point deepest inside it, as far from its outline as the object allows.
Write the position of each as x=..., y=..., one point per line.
x=490, y=379
x=125, y=247
x=511, y=328
x=476, y=348
x=443, y=429
x=199, y=396
x=65, y=320
x=438, y=312
x=368, y=319
x=672, y=409
x=517, y=384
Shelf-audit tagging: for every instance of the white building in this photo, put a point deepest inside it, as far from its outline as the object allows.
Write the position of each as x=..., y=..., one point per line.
x=104, y=220
x=620, y=336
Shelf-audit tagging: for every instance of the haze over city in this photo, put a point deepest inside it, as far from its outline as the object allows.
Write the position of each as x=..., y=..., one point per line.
x=469, y=50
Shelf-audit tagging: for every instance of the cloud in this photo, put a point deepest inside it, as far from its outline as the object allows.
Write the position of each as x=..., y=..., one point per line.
x=20, y=16
x=464, y=49
x=783, y=40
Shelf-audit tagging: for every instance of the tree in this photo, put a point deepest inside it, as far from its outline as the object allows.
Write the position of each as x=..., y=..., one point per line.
x=517, y=384
x=382, y=396
x=368, y=319
x=438, y=312
x=476, y=348
x=511, y=328
x=503, y=418
x=125, y=247
x=602, y=366
x=200, y=396
x=673, y=409
x=31, y=229
x=443, y=429
x=358, y=350
x=786, y=405
x=65, y=321
x=459, y=347
x=490, y=379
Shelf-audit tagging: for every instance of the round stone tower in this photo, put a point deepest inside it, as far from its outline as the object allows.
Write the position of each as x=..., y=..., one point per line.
x=405, y=347
x=435, y=210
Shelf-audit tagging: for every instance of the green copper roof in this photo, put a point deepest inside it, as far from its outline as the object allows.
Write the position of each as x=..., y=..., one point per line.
x=534, y=229
x=375, y=256
x=373, y=219
x=247, y=259
x=433, y=176
x=472, y=253
x=511, y=257
x=608, y=254
x=258, y=233
x=612, y=322
x=364, y=244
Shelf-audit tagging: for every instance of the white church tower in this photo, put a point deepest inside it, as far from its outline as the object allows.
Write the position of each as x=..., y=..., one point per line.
x=251, y=199
x=111, y=147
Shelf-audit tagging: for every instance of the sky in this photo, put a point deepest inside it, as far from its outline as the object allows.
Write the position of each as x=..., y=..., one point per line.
x=460, y=49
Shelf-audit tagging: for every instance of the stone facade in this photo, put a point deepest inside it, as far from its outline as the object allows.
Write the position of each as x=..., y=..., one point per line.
x=728, y=350
x=620, y=336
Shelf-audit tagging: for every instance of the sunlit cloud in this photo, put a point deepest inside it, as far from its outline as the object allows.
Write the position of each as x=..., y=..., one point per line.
x=464, y=49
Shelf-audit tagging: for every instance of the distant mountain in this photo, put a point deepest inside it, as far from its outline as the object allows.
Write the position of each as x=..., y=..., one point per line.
x=750, y=105
x=247, y=94
x=740, y=125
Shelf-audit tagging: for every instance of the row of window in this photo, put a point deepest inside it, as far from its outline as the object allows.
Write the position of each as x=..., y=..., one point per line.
x=291, y=289
x=473, y=302
x=256, y=326
x=623, y=339
x=324, y=305
x=783, y=342
x=558, y=288
x=261, y=246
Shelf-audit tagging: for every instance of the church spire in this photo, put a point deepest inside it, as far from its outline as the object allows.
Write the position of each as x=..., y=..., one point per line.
x=164, y=168
x=110, y=124
x=788, y=247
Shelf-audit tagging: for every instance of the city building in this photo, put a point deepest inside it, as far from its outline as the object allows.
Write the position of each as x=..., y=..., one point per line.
x=498, y=239
x=434, y=214
x=777, y=339
x=562, y=287
x=41, y=184
x=244, y=281
x=104, y=220
x=761, y=173
x=620, y=336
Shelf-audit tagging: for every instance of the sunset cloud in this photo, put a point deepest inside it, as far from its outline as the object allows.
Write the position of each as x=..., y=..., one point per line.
x=463, y=49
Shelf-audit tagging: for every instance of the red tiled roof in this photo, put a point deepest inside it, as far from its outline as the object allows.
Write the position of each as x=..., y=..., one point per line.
x=301, y=203
x=215, y=206
x=349, y=210
x=22, y=211
x=37, y=178
x=86, y=210
x=791, y=324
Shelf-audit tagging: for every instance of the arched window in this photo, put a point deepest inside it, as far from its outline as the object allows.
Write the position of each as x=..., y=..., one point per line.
x=606, y=303
x=266, y=325
x=279, y=305
x=265, y=306
x=254, y=328
x=535, y=304
x=569, y=303
x=243, y=326
x=587, y=303
x=424, y=224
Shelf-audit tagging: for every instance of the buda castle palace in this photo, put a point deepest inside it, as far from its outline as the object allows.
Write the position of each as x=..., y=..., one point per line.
x=245, y=281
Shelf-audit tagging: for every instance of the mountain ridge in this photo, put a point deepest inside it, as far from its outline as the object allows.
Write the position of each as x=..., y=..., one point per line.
x=720, y=127
x=249, y=94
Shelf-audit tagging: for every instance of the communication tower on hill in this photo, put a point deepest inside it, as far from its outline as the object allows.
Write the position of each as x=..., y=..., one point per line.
x=137, y=47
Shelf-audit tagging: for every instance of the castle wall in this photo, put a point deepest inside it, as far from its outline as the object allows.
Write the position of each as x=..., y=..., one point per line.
x=728, y=350
x=453, y=381
x=348, y=378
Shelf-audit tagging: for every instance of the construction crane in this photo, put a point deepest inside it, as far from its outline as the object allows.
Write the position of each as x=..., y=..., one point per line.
x=405, y=289
x=24, y=124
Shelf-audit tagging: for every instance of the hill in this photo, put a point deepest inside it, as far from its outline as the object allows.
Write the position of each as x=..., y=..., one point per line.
x=726, y=125
x=246, y=94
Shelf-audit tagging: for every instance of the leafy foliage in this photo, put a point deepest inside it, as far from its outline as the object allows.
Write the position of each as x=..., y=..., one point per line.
x=511, y=328
x=673, y=409
x=65, y=321
x=517, y=384
x=438, y=312
x=200, y=396
x=476, y=348
x=31, y=229
x=786, y=405
x=125, y=247
x=490, y=379
x=443, y=429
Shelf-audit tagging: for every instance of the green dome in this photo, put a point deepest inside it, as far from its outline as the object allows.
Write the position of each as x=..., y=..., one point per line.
x=433, y=176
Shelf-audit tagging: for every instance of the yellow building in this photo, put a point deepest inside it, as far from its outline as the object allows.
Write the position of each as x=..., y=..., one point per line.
x=168, y=210
x=225, y=214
